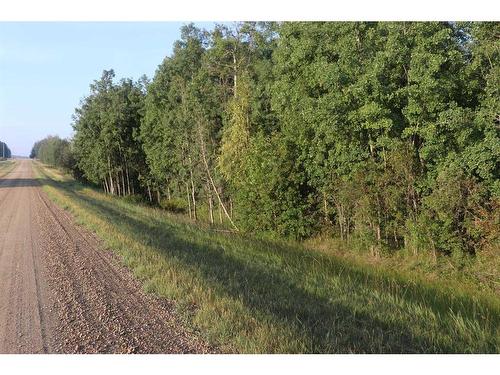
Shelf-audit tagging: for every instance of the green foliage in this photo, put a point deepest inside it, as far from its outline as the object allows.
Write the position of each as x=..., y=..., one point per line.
x=5, y=152
x=236, y=134
x=451, y=212
x=175, y=205
x=106, y=141
x=383, y=137
x=168, y=127
x=384, y=134
x=54, y=151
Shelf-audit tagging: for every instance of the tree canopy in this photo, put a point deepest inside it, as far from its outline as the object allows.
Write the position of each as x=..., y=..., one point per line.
x=54, y=151
x=384, y=134
x=5, y=150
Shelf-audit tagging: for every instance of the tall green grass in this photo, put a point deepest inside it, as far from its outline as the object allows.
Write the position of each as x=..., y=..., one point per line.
x=255, y=295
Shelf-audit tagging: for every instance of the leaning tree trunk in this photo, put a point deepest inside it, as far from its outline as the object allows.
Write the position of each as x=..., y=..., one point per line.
x=220, y=213
x=128, y=178
x=205, y=162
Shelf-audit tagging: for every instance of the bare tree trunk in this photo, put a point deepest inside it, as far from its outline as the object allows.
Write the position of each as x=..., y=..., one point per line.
x=347, y=226
x=149, y=192
x=219, y=209
x=115, y=184
x=414, y=200
x=112, y=188
x=128, y=179
x=118, y=187
x=341, y=224
x=395, y=238
x=189, y=201
x=235, y=77
x=376, y=249
x=210, y=206
x=123, y=183
x=434, y=252
x=158, y=196
x=205, y=162
x=325, y=208
x=121, y=171
x=195, y=215
x=340, y=218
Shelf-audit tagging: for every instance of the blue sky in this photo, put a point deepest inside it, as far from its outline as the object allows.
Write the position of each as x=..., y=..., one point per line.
x=46, y=68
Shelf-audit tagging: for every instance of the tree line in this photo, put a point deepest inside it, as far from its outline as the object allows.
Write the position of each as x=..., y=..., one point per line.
x=54, y=151
x=383, y=134
x=5, y=152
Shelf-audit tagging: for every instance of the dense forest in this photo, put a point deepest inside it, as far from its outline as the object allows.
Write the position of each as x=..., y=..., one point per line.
x=385, y=135
x=4, y=150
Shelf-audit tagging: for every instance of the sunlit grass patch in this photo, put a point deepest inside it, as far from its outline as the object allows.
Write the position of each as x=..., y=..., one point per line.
x=6, y=166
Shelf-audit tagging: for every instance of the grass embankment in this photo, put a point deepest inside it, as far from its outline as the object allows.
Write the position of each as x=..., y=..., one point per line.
x=471, y=274
x=6, y=166
x=249, y=294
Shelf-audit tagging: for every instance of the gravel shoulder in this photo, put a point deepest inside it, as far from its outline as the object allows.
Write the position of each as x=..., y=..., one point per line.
x=63, y=292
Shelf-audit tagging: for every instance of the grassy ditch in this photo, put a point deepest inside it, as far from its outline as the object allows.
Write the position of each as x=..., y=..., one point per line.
x=255, y=295
x=6, y=166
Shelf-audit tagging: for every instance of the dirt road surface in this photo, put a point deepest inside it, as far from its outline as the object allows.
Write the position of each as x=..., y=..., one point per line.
x=62, y=292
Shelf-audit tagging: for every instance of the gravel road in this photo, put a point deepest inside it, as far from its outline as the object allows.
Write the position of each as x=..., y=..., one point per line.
x=61, y=291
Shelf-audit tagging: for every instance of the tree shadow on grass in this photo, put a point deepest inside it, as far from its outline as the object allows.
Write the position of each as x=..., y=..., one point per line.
x=324, y=325
x=440, y=298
